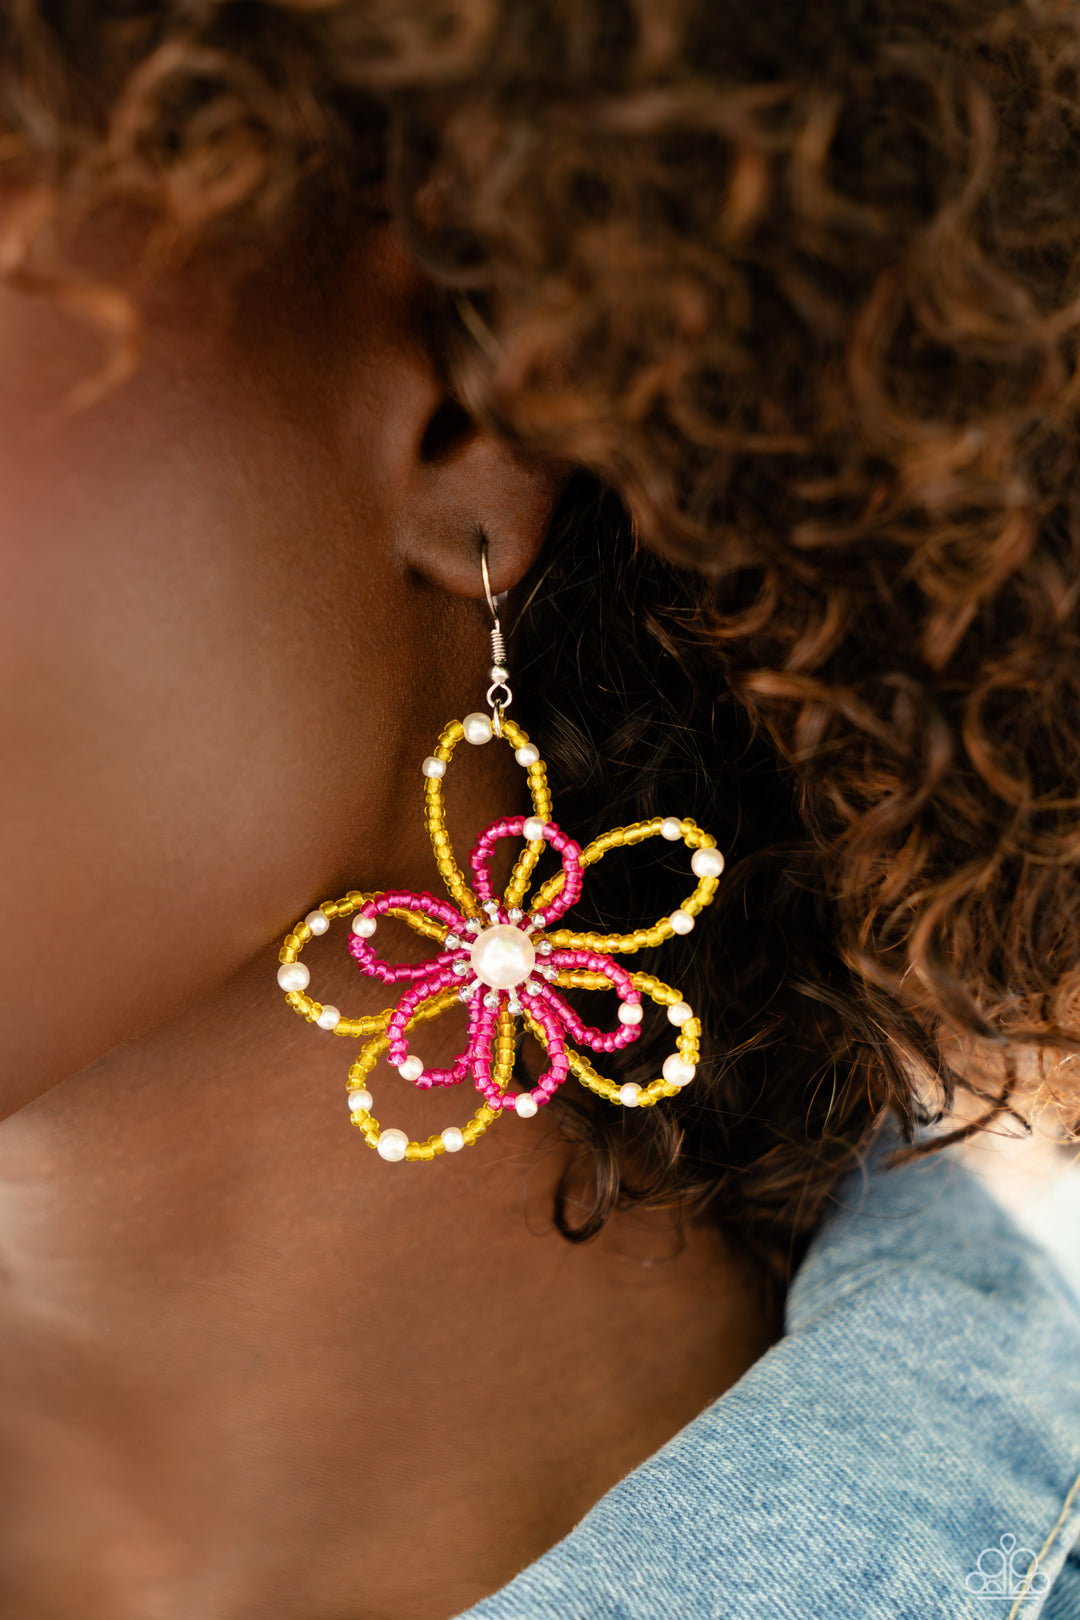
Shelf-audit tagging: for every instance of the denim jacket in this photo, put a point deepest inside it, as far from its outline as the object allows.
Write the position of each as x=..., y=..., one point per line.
x=909, y=1449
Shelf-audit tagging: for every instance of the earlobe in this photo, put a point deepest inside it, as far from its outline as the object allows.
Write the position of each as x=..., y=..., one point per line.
x=471, y=485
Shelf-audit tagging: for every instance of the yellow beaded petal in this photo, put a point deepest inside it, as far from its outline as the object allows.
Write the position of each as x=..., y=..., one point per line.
x=435, y=818
x=294, y=942
x=690, y=834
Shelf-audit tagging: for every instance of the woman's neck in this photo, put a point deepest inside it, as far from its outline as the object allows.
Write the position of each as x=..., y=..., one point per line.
x=248, y=1368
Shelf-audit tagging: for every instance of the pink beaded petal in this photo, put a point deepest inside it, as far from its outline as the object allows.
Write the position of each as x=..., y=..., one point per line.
x=598, y=1040
x=438, y=978
x=570, y=892
x=551, y=1038
x=597, y=962
x=513, y=827
x=402, y=900
x=481, y=1035
x=462, y=1064
x=508, y=827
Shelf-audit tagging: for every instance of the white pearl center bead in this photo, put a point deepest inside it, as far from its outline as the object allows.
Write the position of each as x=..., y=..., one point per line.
x=528, y=754
x=630, y=1095
x=411, y=1069
x=630, y=1012
x=317, y=921
x=360, y=1099
x=329, y=1018
x=477, y=728
x=670, y=828
x=391, y=1145
x=363, y=927
x=533, y=829
x=503, y=957
x=679, y=1012
x=681, y=922
x=433, y=767
x=293, y=976
x=453, y=1140
x=706, y=863
x=525, y=1106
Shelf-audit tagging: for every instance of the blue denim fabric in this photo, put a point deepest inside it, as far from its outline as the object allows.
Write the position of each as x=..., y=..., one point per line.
x=922, y=1405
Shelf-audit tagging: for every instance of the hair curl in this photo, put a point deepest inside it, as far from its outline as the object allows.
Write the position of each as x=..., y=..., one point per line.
x=801, y=286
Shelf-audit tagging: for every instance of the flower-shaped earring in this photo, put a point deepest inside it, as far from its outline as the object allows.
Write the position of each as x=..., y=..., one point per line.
x=502, y=957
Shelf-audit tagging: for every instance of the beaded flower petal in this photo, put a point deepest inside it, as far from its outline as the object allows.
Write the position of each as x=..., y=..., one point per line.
x=504, y=959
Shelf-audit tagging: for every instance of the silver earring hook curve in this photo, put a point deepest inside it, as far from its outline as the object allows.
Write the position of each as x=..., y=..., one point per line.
x=487, y=581
x=499, y=695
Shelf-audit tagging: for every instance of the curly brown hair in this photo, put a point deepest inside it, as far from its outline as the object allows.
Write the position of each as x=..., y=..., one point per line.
x=798, y=289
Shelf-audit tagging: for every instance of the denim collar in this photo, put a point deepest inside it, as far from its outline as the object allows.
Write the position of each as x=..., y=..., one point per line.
x=908, y=1450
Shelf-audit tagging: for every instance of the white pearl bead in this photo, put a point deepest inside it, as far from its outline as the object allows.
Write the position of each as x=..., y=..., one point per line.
x=477, y=728
x=630, y=1012
x=528, y=754
x=680, y=1012
x=452, y=1139
x=363, y=927
x=317, y=921
x=671, y=828
x=503, y=956
x=706, y=863
x=677, y=1070
x=411, y=1069
x=533, y=829
x=391, y=1145
x=433, y=767
x=630, y=1095
x=329, y=1018
x=360, y=1099
x=681, y=922
x=293, y=976
x=525, y=1106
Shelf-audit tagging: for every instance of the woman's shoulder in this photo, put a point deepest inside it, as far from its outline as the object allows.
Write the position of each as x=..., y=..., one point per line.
x=911, y=1445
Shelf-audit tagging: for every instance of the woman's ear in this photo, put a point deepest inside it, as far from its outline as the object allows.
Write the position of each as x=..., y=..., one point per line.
x=453, y=482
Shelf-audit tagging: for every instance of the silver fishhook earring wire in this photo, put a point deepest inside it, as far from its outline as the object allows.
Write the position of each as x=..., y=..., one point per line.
x=499, y=672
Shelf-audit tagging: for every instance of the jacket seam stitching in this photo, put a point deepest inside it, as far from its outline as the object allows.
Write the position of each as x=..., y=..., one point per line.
x=1049, y=1542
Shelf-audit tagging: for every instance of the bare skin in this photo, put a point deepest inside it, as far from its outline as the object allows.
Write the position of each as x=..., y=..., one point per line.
x=247, y=1368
